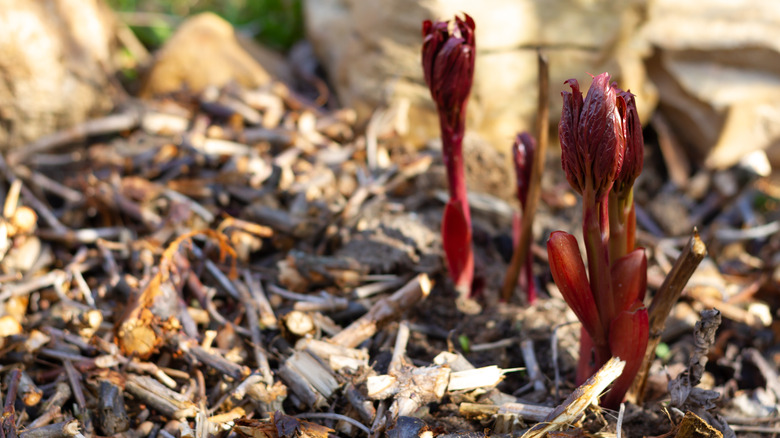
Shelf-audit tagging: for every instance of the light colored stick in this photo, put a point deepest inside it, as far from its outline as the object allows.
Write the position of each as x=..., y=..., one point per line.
x=531, y=365
x=254, y=329
x=383, y=311
x=399, y=351
x=477, y=378
x=620, y=420
x=165, y=400
x=64, y=429
x=525, y=411
x=267, y=317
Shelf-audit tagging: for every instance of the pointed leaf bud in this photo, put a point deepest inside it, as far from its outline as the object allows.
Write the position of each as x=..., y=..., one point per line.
x=572, y=154
x=523, y=151
x=633, y=158
x=568, y=272
x=448, y=55
x=592, y=136
x=629, y=279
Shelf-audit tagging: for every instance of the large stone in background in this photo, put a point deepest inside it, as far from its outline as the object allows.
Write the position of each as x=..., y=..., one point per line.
x=205, y=50
x=371, y=51
x=717, y=67
x=56, y=59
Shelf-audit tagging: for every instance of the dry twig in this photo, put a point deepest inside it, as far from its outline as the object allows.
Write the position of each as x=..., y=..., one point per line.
x=535, y=184
x=572, y=408
x=667, y=295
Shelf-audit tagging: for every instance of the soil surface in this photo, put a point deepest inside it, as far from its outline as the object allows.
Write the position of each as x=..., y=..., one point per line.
x=162, y=278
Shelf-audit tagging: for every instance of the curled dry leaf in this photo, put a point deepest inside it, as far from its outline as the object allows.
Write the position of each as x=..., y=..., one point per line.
x=280, y=426
x=139, y=331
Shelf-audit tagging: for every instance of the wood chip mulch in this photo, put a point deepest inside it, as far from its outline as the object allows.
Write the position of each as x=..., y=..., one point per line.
x=246, y=263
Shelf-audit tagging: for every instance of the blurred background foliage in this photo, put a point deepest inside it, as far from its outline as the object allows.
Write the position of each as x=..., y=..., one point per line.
x=277, y=24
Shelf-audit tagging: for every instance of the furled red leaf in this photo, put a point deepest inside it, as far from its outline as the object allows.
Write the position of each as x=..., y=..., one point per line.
x=592, y=136
x=629, y=279
x=456, y=240
x=601, y=133
x=568, y=272
x=448, y=56
x=633, y=158
x=628, y=337
x=572, y=154
x=523, y=151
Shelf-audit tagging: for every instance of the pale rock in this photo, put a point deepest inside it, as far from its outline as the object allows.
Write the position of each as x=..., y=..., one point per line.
x=717, y=67
x=204, y=51
x=56, y=66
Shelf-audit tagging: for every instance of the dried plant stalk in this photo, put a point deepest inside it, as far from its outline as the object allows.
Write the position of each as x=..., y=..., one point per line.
x=112, y=416
x=64, y=429
x=536, y=413
x=535, y=186
x=164, y=400
x=667, y=295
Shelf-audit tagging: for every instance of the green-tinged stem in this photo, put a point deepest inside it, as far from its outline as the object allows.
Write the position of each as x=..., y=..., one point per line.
x=595, y=228
x=622, y=224
x=617, y=229
x=631, y=229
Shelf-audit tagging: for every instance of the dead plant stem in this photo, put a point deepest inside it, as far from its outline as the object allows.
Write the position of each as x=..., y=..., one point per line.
x=662, y=304
x=534, y=188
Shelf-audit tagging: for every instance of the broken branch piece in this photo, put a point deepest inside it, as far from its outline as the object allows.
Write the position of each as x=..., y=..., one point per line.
x=587, y=394
x=383, y=311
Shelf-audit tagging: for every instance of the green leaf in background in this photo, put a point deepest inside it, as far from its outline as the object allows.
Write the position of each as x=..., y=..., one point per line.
x=465, y=343
x=275, y=23
x=662, y=351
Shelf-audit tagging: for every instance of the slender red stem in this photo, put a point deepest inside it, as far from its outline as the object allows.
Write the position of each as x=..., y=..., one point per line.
x=595, y=228
x=529, y=279
x=452, y=142
x=592, y=356
x=526, y=278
